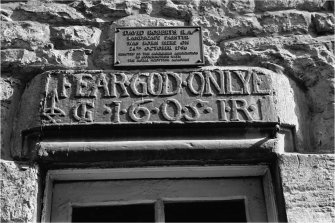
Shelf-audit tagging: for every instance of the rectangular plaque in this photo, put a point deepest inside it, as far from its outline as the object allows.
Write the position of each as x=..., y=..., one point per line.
x=158, y=46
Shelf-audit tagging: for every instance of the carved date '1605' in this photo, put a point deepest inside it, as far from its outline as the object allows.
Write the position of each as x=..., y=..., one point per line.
x=204, y=96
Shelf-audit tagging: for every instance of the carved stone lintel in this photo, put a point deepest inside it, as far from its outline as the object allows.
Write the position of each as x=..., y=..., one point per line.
x=214, y=95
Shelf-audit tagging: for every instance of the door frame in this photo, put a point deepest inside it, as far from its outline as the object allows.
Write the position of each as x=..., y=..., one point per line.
x=173, y=172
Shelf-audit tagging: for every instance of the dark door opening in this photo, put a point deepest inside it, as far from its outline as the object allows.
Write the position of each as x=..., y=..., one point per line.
x=119, y=213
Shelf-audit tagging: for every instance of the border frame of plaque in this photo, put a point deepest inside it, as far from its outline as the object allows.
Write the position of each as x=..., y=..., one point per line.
x=198, y=63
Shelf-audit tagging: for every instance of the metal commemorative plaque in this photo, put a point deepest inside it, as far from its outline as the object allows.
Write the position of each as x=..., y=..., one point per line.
x=158, y=46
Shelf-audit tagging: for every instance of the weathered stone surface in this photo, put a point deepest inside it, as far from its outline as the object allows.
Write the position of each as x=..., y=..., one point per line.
x=108, y=10
x=19, y=191
x=322, y=107
x=172, y=10
x=44, y=59
x=21, y=57
x=141, y=20
x=308, y=185
x=279, y=35
x=215, y=8
x=50, y=12
x=242, y=6
x=146, y=7
x=146, y=20
x=140, y=103
x=308, y=60
x=70, y=37
x=217, y=29
x=212, y=54
x=5, y=15
x=308, y=5
x=292, y=108
x=283, y=22
x=11, y=90
x=305, y=58
x=24, y=35
x=324, y=23
x=190, y=96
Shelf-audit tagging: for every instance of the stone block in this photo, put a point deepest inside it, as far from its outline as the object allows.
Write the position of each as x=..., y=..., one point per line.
x=216, y=8
x=242, y=6
x=21, y=57
x=285, y=22
x=172, y=10
x=19, y=192
x=310, y=63
x=322, y=100
x=211, y=54
x=305, y=58
x=5, y=15
x=308, y=5
x=24, y=35
x=43, y=59
x=70, y=37
x=108, y=10
x=11, y=90
x=217, y=29
x=50, y=12
x=146, y=20
x=308, y=186
x=259, y=99
x=324, y=23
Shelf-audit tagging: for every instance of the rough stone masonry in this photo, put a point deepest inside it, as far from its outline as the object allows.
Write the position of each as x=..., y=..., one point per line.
x=294, y=39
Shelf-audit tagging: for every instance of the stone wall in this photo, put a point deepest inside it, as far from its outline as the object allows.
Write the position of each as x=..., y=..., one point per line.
x=293, y=38
x=308, y=185
x=19, y=192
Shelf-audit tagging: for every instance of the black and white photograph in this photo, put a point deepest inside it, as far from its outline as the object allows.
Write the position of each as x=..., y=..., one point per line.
x=167, y=111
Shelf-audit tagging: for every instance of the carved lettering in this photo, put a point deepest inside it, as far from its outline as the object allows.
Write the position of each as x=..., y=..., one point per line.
x=200, y=83
x=81, y=112
x=139, y=86
x=100, y=83
x=171, y=84
x=211, y=80
x=193, y=108
x=230, y=84
x=155, y=84
x=245, y=80
x=176, y=107
x=222, y=110
x=115, y=114
x=121, y=83
x=139, y=113
x=235, y=108
x=82, y=84
x=64, y=85
x=222, y=95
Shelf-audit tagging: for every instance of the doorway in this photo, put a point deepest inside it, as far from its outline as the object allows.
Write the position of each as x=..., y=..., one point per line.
x=162, y=194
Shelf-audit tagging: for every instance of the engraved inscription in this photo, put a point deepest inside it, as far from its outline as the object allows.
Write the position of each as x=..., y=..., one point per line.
x=152, y=46
x=218, y=95
x=81, y=112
